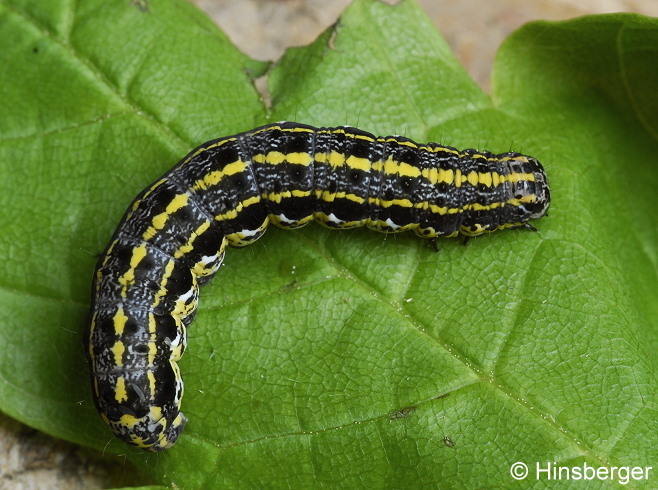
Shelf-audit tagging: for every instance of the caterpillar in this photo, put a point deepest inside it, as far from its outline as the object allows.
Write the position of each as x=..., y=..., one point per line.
x=172, y=238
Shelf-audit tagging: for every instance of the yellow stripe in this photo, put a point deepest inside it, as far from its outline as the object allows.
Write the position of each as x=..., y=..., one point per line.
x=296, y=130
x=437, y=149
x=279, y=196
x=159, y=221
x=155, y=412
x=327, y=196
x=392, y=167
x=480, y=207
x=233, y=213
x=162, y=292
x=298, y=193
x=443, y=210
x=128, y=421
x=215, y=177
x=119, y=321
x=206, y=148
x=299, y=158
x=151, y=378
x=189, y=245
x=475, y=156
x=344, y=131
x=524, y=200
x=448, y=176
x=405, y=203
x=120, y=393
x=153, y=349
x=264, y=129
x=485, y=179
x=351, y=197
x=362, y=137
x=129, y=276
x=410, y=144
x=336, y=159
x=117, y=351
x=517, y=177
x=358, y=163
x=275, y=158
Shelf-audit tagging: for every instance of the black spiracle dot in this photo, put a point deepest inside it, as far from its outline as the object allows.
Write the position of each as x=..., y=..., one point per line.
x=147, y=264
x=185, y=215
x=141, y=349
x=239, y=182
x=354, y=176
x=130, y=327
x=407, y=184
x=295, y=172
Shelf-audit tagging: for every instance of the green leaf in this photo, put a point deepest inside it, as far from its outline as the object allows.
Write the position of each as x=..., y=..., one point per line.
x=345, y=358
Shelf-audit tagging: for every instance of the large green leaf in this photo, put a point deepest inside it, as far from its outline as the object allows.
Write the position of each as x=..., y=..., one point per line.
x=344, y=358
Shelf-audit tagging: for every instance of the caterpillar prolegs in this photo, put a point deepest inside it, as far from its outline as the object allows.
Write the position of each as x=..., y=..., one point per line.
x=172, y=238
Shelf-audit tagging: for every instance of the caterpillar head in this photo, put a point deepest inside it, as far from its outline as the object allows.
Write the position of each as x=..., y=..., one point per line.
x=523, y=195
x=529, y=194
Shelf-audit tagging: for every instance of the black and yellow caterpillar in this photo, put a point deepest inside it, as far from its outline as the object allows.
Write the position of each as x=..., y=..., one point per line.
x=172, y=238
